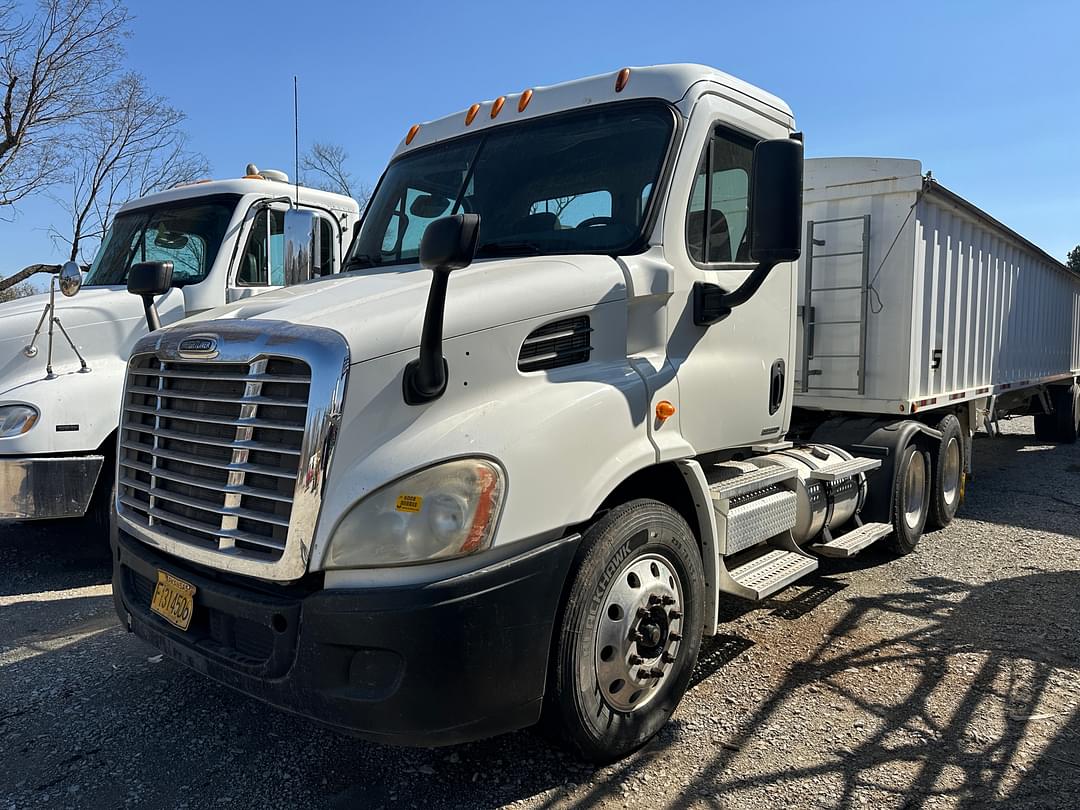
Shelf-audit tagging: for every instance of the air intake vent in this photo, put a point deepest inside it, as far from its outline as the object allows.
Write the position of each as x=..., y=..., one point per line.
x=556, y=344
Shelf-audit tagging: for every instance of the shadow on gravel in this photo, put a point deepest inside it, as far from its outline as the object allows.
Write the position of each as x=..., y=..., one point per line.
x=928, y=727
x=50, y=556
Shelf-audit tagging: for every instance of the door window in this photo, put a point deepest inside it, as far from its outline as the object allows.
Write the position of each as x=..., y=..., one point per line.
x=717, y=232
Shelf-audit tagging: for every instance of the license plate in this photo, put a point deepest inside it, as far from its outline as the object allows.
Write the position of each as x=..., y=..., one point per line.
x=174, y=600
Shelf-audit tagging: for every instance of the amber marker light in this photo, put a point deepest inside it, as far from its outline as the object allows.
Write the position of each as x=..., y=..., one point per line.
x=496, y=108
x=523, y=102
x=412, y=133
x=622, y=80
x=470, y=116
x=664, y=410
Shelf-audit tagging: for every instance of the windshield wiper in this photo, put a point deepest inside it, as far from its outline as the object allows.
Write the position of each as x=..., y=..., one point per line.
x=359, y=260
x=509, y=249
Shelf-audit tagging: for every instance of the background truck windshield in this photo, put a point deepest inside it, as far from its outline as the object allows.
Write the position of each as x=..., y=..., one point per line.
x=187, y=233
x=579, y=182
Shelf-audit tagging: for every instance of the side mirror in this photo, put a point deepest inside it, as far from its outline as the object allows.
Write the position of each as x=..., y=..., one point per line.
x=448, y=244
x=149, y=279
x=776, y=201
x=776, y=179
x=70, y=279
x=302, y=248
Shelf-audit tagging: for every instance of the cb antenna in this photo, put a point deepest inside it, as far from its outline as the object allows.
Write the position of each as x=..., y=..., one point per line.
x=296, y=138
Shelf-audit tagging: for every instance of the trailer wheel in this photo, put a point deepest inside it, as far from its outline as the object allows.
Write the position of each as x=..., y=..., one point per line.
x=629, y=632
x=911, y=499
x=1067, y=406
x=947, y=481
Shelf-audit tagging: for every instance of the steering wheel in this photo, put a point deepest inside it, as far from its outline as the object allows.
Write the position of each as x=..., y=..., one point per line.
x=592, y=222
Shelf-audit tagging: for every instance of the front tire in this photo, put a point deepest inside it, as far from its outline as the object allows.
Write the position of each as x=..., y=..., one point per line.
x=947, y=484
x=911, y=498
x=629, y=632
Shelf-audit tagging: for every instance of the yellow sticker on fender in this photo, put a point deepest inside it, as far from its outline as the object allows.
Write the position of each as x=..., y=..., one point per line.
x=409, y=503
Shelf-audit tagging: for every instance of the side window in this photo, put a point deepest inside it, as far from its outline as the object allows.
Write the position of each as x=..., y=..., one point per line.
x=571, y=211
x=263, y=259
x=326, y=248
x=717, y=232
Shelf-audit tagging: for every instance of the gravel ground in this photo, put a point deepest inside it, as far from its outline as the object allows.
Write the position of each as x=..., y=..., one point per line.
x=950, y=678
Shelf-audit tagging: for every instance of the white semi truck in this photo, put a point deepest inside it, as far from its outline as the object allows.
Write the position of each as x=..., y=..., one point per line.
x=62, y=359
x=505, y=469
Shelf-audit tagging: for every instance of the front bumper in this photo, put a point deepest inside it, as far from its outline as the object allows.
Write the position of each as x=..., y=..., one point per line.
x=47, y=487
x=441, y=663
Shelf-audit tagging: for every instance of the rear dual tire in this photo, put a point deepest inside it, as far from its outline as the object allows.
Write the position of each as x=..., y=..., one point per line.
x=911, y=499
x=949, y=473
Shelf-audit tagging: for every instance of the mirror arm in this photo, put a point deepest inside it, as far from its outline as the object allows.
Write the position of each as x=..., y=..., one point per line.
x=153, y=322
x=425, y=378
x=712, y=303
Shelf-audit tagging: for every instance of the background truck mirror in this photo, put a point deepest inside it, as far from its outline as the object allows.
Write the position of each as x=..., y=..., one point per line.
x=146, y=280
x=776, y=201
x=301, y=245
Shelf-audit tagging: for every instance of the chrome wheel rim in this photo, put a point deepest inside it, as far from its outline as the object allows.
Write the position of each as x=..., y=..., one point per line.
x=639, y=632
x=915, y=490
x=950, y=473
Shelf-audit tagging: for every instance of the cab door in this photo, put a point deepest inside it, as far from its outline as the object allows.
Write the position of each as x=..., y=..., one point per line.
x=261, y=262
x=733, y=381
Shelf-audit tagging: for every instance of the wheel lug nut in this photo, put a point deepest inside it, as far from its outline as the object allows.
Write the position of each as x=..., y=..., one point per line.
x=634, y=660
x=636, y=636
x=675, y=636
x=642, y=613
x=656, y=600
x=675, y=614
x=667, y=658
x=668, y=600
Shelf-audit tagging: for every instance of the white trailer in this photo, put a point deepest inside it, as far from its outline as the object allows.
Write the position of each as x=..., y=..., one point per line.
x=508, y=467
x=62, y=358
x=913, y=301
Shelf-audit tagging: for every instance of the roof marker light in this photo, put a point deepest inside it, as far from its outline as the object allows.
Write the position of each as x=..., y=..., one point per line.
x=523, y=102
x=496, y=108
x=412, y=133
x=622, y=79
x=470, y=116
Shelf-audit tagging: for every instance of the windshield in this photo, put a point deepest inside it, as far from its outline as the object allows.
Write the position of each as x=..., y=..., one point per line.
x=187, y=233
x=580, y=182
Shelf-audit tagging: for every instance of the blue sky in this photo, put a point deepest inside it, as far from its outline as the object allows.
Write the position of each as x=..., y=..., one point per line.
x=986, y=94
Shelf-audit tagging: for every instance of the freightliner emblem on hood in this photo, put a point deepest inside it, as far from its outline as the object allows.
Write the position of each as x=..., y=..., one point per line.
x=201, y=347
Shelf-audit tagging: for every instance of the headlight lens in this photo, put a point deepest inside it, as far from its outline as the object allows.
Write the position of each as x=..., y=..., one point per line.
x=445, y=511
x=15, y=420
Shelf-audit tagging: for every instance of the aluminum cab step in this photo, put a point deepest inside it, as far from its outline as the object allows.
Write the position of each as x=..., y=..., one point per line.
x=845, y=469
x=768, y=573
x=751, y=481
x=854, y=541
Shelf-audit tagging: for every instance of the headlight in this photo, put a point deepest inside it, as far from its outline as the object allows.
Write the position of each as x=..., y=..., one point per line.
x=15, y=420
x=445, y=511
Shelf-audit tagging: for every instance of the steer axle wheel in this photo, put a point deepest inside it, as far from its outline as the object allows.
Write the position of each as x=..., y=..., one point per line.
x=629, y=632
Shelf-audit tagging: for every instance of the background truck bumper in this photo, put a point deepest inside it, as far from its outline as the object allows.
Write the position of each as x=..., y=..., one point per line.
x=47, y=487
x=445, y=662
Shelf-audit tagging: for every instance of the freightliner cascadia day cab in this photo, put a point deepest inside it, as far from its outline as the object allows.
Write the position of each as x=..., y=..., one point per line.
x=61, y=381
x=505, y=468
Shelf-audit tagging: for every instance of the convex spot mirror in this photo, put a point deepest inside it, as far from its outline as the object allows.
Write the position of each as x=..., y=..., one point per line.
x=70, y=279
x=302, y=245
x=776, y=201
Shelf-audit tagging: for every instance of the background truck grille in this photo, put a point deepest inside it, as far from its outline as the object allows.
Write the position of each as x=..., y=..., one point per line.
x=210, y=452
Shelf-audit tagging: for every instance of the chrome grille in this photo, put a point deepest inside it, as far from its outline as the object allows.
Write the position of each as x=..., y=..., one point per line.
x=210, y=452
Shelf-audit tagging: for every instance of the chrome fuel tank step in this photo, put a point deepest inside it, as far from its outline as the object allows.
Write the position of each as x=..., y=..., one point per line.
x=767, y=572
x=854, y=541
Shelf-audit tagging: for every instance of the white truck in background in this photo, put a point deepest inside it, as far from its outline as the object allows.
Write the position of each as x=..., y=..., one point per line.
x=62, y=359
x=506, y=470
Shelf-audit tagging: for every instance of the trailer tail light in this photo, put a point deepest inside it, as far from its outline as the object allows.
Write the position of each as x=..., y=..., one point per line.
x=470, y=116
x=496, y=108
x=412, y=133
x=523, y=102
x=622, y=80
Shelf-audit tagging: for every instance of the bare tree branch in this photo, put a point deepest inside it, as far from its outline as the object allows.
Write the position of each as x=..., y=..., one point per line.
x=133, y=146
x=11, y=281
x=55, y=68
x=324, y=167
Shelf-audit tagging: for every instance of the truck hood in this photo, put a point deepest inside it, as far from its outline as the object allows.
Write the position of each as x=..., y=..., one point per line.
x=104, y=322
x=382, y=313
